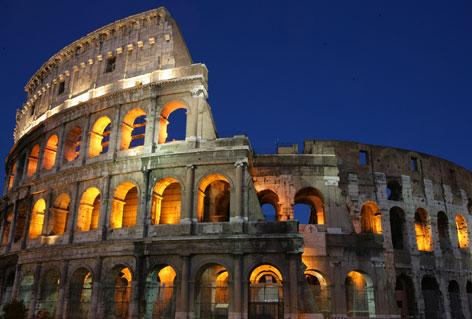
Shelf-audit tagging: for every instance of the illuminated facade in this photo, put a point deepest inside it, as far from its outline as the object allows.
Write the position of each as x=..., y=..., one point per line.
x=106, y=215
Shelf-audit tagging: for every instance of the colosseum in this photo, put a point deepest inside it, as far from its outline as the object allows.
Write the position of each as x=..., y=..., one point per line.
x=105, y=215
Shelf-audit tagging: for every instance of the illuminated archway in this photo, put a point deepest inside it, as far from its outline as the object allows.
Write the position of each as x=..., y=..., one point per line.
x=59, y=215
x=20, y=223
x=312, y=200
x=117, y=292
x=163, y=121
x=133, y=129
x=6, y=231
x=359, y=295
x=160, y=294
x=462, y=234
x=212, y=293
x=33, y=161
x=49, y=292
x=371, y=218
x=270, y=206
x=100, y=137
x=49, y=157
x=166, y=202
x=266, y=293
x=11, y=178
x=89, y=210
x=124, y=206
x=81, y=286
x=423, y=231
x=72, y=144
x=214, y=199
x=37, y=219
x=320, y=290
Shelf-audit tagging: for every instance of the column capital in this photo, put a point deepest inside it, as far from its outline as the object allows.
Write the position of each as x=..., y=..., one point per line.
x=241, y=163
x=199, y=92
x=190, y=166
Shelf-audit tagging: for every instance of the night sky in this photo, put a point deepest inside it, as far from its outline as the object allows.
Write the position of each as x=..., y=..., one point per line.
x=393, y=73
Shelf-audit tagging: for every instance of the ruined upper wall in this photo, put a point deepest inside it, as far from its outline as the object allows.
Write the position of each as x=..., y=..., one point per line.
x=137, y=50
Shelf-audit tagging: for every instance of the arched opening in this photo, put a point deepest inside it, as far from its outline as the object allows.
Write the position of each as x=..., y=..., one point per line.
x=160, y=293
x=7, y=288
x=124, y=206
x=455, y=301
x=469, y=295
x=397, y=227
x=48, y=293
x=33, y=161
x=165, y=123
x=133, y=129
x=89, y=210
x=370, y=218
x=100, y=137
x=269, y=202
x=462, y=234
x=394, y=191
x=72, y=144
x=37, y=219
x=423, y=230
x=309, y=199
x=59, y=215
x=26, y=288
x=6, y=231
x=214, y=199
x=212, y=293
x=166, y=202
x=20, y=223
x=432, y=298
x=12, y=176
x=117, y=292
x=80, y=294
x=266, y=293
x=443, y=230
x=359, y=295
x=49, y=157
x=405, y=296
x=320, y=290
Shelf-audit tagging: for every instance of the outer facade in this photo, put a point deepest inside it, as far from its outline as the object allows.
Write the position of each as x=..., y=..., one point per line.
x=104, y=215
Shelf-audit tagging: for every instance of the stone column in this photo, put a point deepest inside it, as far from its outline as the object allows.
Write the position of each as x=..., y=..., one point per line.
x=238, y=211
x=62, y=289
x=73, y=214
x=59, y=150
x=105, y=209
x=47, y=215
x=11, y=235
x=135, y=288
x=237, y=288
x=182, y=313
x=293, y=284
x=187, y=216
x=35, y=291
x=96, y=289
x=143, y=215
x=17, y=282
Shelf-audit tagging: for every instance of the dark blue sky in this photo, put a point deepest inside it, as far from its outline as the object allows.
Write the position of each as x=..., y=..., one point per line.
x=394, y=73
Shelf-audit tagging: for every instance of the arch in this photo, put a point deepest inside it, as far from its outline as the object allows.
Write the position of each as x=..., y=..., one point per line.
x=7, y=229
x=312, y=198
x=59, y=215
x=432, y=298
x=360, y=300
x=443, y=225
x=266, y=293
x=81, y=286
x=423, y=231
x=49, y=153
x=124, y=206
x=269, y=202
x=394, y=191
x=89, y=210
x=49, y=292
x=100, y=137
x=72, y=144
x=455, y=301
x=33, y=161
x=12, y=176
x=166, y=202
x=26, y=288
x=20, y=223
x=133, y=129
x=117, y=292
x=320, y=290
x=160, y=294
x=371, y=218
x=405, y=296
x=212, y=292
x=397, y=227
x=37, y=219
x=164, y=116
x=462, y=233
x=214, y=199
x=7, y=287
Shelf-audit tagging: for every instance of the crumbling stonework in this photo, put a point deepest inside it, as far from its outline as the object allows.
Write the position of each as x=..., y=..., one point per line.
x=104, y=215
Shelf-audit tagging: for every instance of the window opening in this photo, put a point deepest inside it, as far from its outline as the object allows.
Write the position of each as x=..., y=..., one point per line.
x=359, y=295
x=320, y=290
x=20, y=223
x=394, y=191
x=363, y=159
x=462, y=234
x=60, y=213
x=212, y=294
x=89, y=210
x=37, y=219
x=423, y=231
x=81, y=294
x=269, y=212
x=61, y=87
x=111, y=62
x=166, y=202
x=125, y=204
x=106, y=139
x=33, y=161
x=117, y=293
x=266, y=293
x=309, y=207
x=414, y=164
x=160, y=294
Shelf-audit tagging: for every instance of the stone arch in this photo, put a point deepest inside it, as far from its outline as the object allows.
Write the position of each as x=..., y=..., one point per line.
x=89, y=210
x=72, y=144
x=20, y=224
x=405, y=296
x=164, y=116
x=214, y=194
x=6, y=232
x=320, y=289
x=7, y=287
x=59, y=215
x=11, y=177
x=133, y=129
x=432, y=298
x=80, y=292
x=49, y=153
x=100, y=137
x=266, y=292
x=33, y=161
x=424, y=238
x=455, y=302
x=26, y=288
x=313, y=199
x=160, y=293
x=211, y=292
x=269, y=197
x=49, y=292
x=443, y=225
x=166, y=202
x=37, y=219
x=371, y=218
x=394, y=190
x=124, y=206
x=117, y=291
x=398, y=228
x=462, y=233
x=360, y=299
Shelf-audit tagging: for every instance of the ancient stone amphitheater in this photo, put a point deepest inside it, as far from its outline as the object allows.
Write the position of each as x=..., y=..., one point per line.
x=104, y=215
